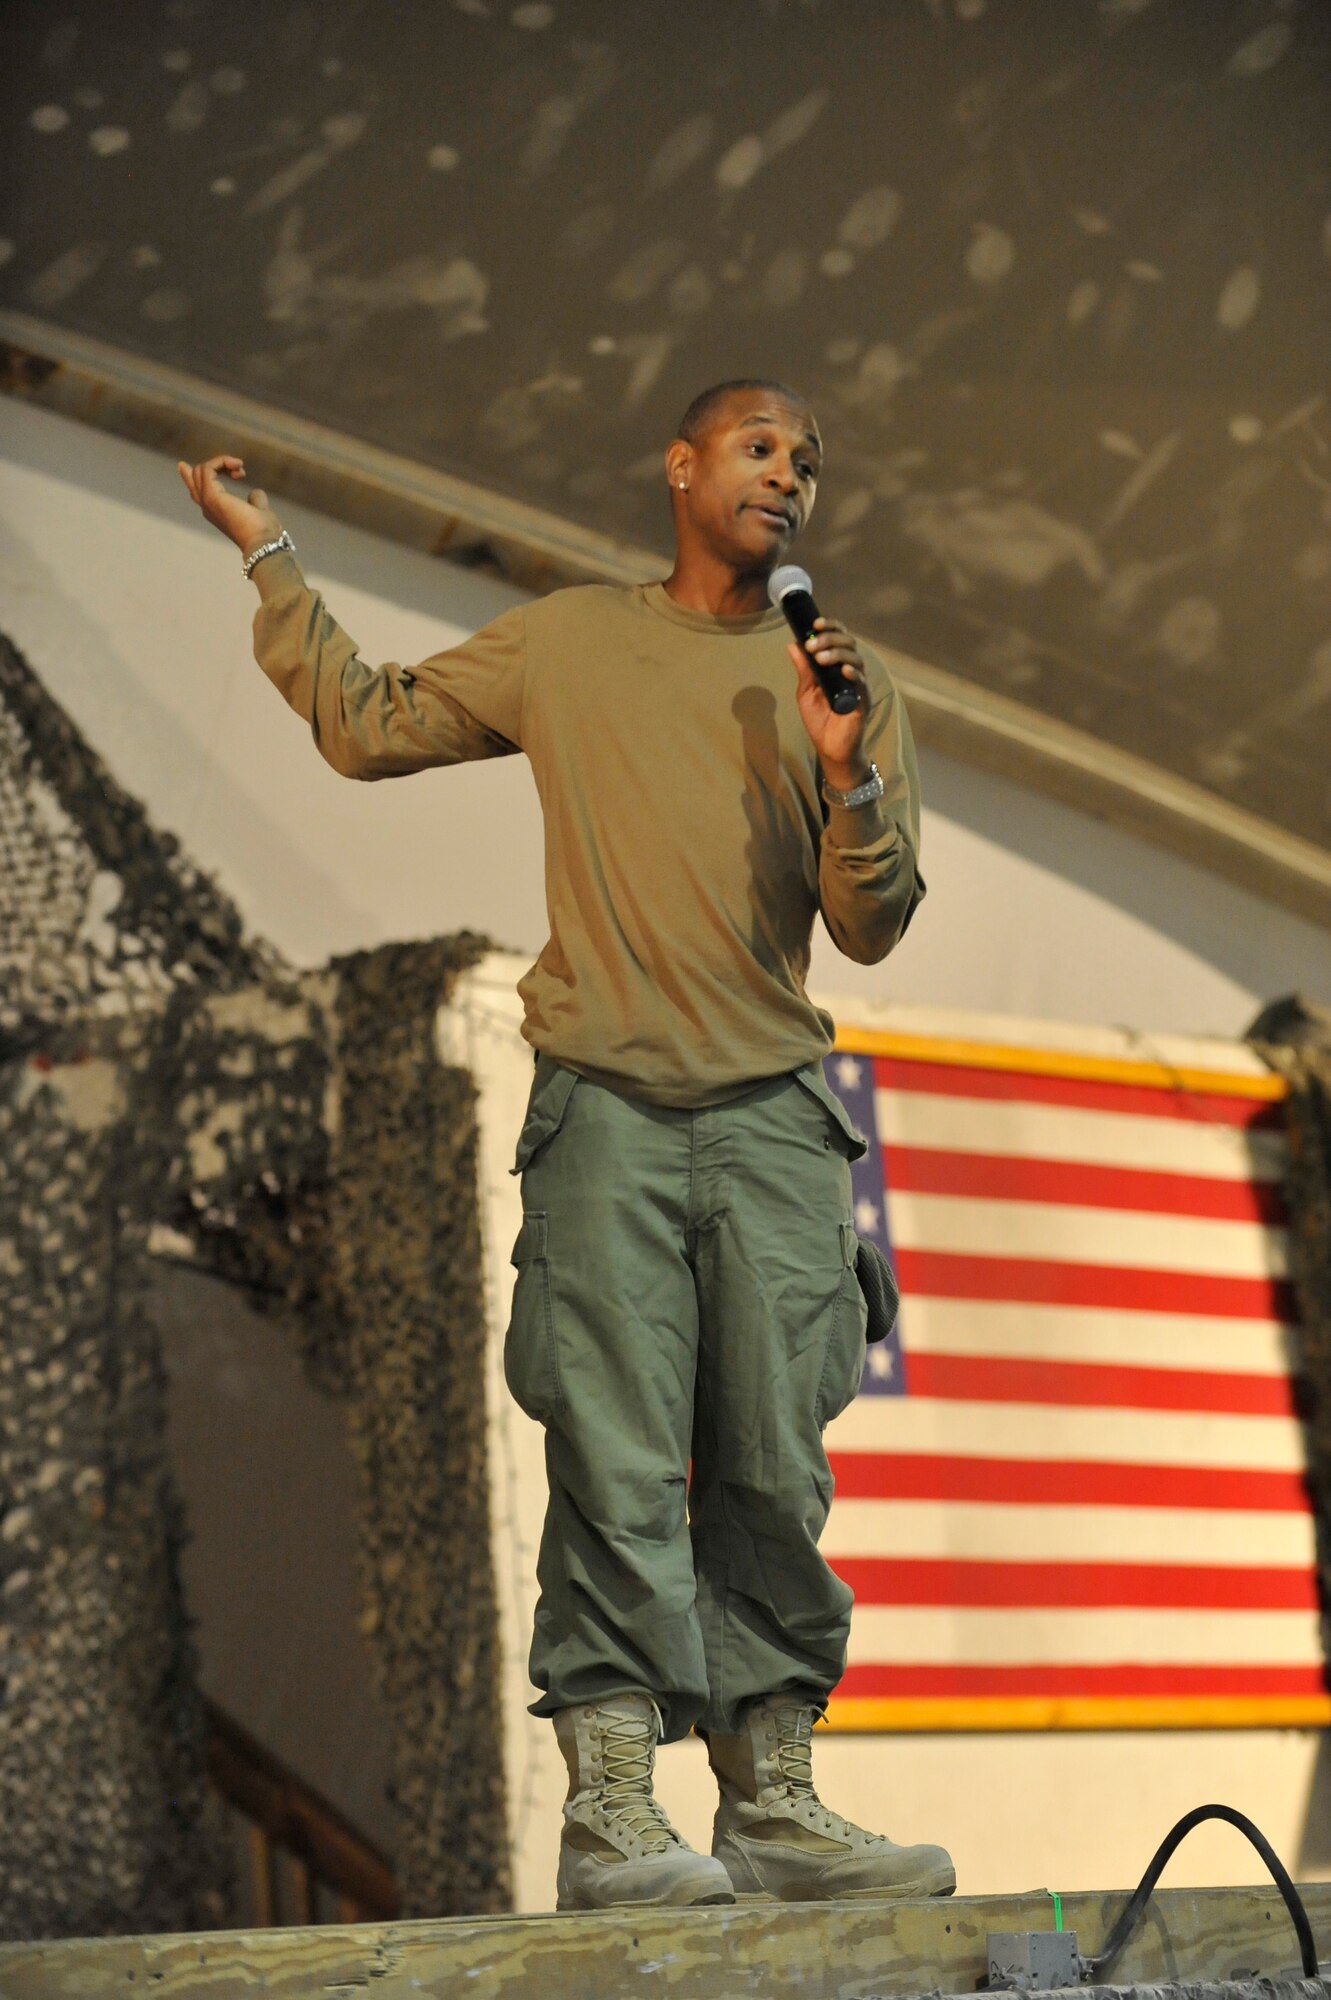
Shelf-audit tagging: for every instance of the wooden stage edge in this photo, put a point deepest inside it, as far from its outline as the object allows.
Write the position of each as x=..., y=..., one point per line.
x=750, y=1951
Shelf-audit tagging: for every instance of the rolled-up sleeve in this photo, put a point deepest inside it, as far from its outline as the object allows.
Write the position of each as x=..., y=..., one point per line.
x=387, y=720
x=869, y=880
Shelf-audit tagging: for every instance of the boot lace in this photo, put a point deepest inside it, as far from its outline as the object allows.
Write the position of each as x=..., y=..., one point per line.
x=794, y=1760
x=627, y=1789
x=794, y=1750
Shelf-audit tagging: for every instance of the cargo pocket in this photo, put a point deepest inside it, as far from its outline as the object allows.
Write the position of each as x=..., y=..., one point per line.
x=850, y=1143
x=531, y=1361
x=843, y=1359
x=551, y=1090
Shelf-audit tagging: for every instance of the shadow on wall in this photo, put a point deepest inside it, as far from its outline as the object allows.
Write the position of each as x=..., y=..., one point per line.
x=1314, y=1857
x=1159, y=889
x=268, y=1482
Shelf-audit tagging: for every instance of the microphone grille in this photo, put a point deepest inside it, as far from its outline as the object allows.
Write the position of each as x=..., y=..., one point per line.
x=785, y=579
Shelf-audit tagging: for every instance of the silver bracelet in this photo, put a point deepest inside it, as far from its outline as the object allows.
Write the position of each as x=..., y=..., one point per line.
x=283, y=541
x=868, y=788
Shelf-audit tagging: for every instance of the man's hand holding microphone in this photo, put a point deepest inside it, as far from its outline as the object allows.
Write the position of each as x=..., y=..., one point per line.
x=833, y=693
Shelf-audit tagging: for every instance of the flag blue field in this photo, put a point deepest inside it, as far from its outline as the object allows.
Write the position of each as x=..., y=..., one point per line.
x=852, y=1078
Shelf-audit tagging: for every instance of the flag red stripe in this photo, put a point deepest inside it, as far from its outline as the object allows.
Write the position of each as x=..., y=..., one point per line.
x=910, y=1475
x=953, y=1274
x=975, y=1378
x=1101, y=1585
x=1078, y=1183
x=1086, y=1093
x=884, y=1678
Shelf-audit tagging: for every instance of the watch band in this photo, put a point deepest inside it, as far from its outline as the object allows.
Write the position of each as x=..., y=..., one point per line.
x=283, y=541
x=860, y=795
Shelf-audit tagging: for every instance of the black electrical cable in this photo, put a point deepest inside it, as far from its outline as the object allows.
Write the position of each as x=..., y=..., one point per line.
x=1094, y=1968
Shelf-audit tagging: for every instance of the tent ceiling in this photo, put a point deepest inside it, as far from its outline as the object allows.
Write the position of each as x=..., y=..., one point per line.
x=1056, y=275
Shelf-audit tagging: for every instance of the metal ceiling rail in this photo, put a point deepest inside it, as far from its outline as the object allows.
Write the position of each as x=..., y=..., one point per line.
x=416, y=505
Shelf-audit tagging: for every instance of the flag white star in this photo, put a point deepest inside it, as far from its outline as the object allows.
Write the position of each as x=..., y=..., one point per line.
x=882, y=1361
x=848, y=1073
x=866, y=1216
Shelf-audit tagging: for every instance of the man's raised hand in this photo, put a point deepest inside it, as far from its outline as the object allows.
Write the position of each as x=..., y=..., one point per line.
x=249, y=523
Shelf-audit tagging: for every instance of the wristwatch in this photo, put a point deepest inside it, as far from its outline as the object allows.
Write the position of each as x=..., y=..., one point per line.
x=860, y=795
x=283, y=541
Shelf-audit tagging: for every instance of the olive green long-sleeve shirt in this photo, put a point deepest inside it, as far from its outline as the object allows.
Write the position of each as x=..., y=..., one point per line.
x=688, y=849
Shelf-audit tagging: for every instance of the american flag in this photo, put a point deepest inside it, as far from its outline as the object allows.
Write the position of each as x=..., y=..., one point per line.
x=1071, y=1492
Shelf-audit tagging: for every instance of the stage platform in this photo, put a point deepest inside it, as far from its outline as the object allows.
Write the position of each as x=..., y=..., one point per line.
x=751, y=1951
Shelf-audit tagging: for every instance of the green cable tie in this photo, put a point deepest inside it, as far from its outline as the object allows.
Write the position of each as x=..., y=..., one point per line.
x=1058, y=1909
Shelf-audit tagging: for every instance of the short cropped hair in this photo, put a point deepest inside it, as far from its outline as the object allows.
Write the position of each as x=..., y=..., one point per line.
x=702, y=409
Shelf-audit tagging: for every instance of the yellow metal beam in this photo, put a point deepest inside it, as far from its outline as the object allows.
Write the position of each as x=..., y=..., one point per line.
x=1058, y=1062
x=924, y=1714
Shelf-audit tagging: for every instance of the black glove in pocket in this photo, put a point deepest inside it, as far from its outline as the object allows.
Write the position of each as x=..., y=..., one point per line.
x=879, y=1287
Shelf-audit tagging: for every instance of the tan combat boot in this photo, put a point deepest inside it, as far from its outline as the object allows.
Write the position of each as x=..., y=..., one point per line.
x=617, y=1845
x=777, y=1838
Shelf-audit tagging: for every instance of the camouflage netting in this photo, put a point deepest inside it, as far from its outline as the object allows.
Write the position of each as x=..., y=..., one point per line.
x=163, y=1077
x=103, y=1819
x=98, y=913
x=1294, y=1036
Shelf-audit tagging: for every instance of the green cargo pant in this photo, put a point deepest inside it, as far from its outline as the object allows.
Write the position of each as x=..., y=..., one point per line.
x=686, y=1319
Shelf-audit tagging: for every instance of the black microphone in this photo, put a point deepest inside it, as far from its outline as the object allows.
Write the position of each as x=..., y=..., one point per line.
x=791, y=591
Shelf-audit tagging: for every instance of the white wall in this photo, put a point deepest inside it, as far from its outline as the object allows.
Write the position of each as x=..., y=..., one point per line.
x=135, y=614
x=136, y=617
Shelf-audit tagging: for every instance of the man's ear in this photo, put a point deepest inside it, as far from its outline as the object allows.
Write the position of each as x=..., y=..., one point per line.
x=679, y=462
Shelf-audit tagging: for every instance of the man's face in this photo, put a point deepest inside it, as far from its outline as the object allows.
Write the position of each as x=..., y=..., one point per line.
x=753, y=477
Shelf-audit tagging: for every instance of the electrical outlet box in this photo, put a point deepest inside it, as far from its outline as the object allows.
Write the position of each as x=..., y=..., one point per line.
x=1032, y=1961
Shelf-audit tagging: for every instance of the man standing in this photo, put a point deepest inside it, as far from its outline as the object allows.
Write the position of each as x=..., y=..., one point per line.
x=686, y=1317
